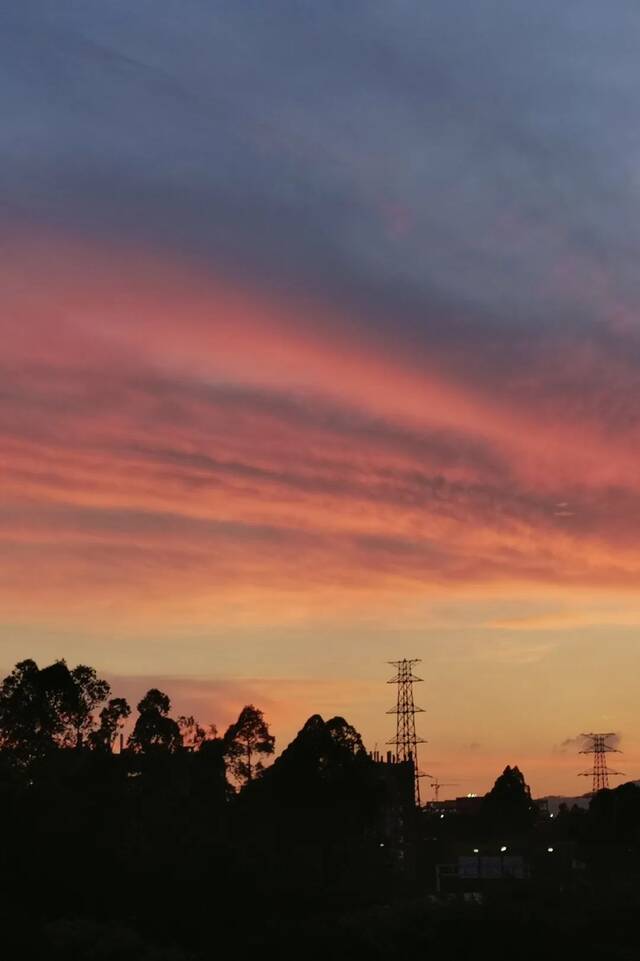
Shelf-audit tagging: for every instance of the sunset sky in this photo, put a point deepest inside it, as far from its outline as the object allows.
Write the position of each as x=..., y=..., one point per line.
x=321, y=347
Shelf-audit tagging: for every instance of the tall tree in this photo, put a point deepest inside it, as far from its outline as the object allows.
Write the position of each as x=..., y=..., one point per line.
x=91, y=691
x=508, y=805
x=154, y=730
x=247, y=741
x=35, y=708
x=345, y=735
x=112, y=718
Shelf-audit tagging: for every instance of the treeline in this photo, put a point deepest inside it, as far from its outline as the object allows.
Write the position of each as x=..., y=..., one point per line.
x=186, y=836
x=44, y=709
x=187, y=843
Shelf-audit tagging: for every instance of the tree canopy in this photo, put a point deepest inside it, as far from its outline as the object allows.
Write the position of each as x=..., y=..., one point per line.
x=154, y=730
x=43, y=708
x=247, y=741
x=508, y=805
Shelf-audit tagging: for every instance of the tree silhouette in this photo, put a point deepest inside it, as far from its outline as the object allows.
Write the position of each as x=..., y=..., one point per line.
x=193, y=734
x=91, y=691
x=154, y=730
x=112, y=718
x=247, y=737
x=345, y=735
x=36, y=707
x=322, y=753
x=508, y=805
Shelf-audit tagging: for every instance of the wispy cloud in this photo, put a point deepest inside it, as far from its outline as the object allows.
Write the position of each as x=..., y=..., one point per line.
x=569, y=620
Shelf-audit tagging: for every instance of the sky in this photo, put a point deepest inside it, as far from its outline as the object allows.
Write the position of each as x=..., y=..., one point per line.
x=321, y=348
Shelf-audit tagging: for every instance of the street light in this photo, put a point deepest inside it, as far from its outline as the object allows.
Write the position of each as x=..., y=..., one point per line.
x=549, y=850
x=502, y=853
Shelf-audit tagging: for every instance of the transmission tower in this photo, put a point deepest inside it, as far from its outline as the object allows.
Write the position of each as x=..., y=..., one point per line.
x=406, y=740
x=600, y=772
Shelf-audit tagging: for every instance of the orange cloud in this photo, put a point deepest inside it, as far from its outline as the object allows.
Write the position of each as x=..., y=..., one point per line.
x=100, y=309
x=166, y=434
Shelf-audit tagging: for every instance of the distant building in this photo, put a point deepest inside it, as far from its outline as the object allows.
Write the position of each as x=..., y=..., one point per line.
x=468, y=804
x=492, y=866
x=397, y=814
x=479, y=872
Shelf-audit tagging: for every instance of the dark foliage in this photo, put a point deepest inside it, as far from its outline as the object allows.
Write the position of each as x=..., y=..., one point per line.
x=155, y=732
x=247, y=741
x=154, y=854
x=41, y=709
x=508, y=808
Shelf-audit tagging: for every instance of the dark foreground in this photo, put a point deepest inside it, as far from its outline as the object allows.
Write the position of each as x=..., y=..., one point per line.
x=180, y=847
x=505, y=927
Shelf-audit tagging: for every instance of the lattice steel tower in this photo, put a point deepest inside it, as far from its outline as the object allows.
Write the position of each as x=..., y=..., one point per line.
x=600, y=772
x=406, y=740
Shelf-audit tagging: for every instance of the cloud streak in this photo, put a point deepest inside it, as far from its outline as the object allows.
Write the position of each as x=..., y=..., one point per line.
x=171, y=416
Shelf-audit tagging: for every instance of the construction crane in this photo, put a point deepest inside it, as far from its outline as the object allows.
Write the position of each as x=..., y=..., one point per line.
x=436, y=785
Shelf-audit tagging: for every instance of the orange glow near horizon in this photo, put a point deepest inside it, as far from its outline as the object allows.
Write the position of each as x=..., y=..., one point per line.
x=212, y=483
